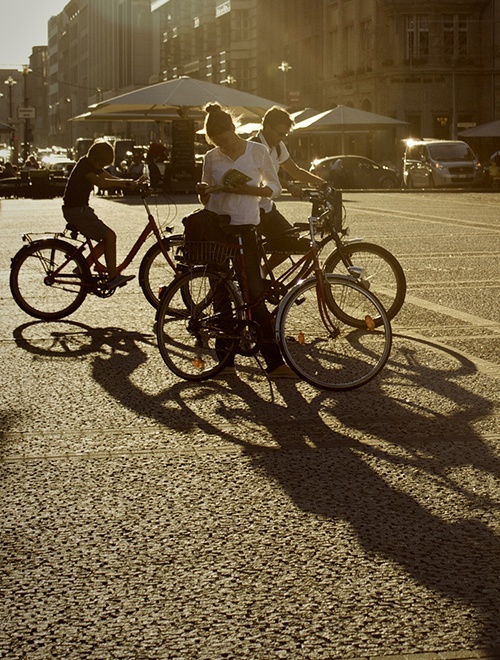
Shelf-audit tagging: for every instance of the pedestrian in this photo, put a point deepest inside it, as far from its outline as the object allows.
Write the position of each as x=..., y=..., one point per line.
x=276, y=125
x=241, y=202
x=87, y=173
x=155, y=164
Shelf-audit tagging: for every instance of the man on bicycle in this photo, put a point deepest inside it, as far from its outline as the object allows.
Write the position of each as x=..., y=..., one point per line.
x=276, y=125
x=87, y=173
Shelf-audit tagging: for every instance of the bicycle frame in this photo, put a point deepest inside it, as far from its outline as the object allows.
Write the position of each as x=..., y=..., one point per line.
x=94, y=254
x=150, y=228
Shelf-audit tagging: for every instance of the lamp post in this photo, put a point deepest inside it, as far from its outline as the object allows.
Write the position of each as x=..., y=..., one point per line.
x=13, y=156
x=285, y=67
x=69, y=101
x=27, y=127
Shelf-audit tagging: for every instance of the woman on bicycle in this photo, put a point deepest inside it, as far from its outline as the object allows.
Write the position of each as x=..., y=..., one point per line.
x=241, y=202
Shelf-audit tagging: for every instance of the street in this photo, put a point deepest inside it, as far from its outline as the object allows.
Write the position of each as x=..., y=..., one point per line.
x=146, y=517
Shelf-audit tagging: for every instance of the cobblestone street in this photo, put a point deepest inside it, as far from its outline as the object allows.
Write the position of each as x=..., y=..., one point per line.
x=145, y=517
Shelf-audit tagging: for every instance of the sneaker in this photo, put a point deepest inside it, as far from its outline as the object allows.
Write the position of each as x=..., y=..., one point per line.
x=118, y=280
x=283, y=371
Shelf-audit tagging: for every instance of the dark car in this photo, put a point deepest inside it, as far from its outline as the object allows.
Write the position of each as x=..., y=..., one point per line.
x=355, y=172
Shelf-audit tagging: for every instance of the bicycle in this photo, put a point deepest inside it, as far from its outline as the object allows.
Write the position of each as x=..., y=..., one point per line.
x=325, y=325
x=51, y=277
x=373, y=266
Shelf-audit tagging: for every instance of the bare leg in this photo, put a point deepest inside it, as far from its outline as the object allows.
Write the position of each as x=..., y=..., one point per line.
x=109, y=248
x=96, y=253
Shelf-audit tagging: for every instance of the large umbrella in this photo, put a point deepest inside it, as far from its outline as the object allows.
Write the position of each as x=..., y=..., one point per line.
x=491, y=129
x=5, y=128
x=344, y=120
x=181, y=96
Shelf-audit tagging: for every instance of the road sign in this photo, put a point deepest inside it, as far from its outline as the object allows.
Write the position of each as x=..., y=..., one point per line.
x=26, y=113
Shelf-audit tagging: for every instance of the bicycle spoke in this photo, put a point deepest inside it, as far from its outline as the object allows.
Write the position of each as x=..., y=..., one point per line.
x=318, y=343
x=194, y=325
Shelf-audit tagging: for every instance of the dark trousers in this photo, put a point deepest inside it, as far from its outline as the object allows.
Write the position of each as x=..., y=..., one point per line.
x=250, y=280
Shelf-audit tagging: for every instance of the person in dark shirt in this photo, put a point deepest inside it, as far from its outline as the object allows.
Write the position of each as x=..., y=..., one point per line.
x=87, y=173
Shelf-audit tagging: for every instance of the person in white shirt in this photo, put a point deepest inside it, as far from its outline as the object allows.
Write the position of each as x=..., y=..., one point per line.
x=241, y=202
x=276, y=125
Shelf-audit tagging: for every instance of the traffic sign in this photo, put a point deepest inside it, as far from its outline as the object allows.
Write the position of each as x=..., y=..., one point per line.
x=26, y=113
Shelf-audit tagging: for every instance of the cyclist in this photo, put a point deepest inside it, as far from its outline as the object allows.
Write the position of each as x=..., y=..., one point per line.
x=87, y=173
x=241, y=202
x=276, y=125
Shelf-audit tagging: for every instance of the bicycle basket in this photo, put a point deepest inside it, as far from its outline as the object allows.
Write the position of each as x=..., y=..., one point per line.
x=207, y=252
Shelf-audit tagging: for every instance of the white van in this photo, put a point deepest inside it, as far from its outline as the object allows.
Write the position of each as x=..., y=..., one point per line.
x=430, y=163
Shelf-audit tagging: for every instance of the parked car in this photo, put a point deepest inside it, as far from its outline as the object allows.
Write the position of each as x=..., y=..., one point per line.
x=58, y=165
x=355, y=172
x=431, y=163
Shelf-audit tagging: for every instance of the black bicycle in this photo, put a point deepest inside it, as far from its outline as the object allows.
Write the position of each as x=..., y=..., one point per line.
x=373, y=266
x=332, y=331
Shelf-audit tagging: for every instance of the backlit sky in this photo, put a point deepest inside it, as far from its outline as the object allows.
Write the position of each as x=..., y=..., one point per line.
x=24, y=25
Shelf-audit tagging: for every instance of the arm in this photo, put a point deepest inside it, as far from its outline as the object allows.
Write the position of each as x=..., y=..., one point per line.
x=299, y=174
x=106, y=180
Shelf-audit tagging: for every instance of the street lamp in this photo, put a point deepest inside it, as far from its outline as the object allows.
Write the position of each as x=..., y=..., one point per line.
x=27, y=127
x=229, y=81
x=13, y=156
x=285, y=67
x=69, y=101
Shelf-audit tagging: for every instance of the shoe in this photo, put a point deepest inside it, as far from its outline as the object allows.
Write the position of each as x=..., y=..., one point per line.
x=118, y=280
x=283, y=371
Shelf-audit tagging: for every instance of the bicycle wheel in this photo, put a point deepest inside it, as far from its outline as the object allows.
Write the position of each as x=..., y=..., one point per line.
x=198, y=338
x=322, y=348
x=155, y=272
x=382, y=273
x=47, y=279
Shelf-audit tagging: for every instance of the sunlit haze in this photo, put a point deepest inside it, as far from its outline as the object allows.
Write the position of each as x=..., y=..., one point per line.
x=24, y=25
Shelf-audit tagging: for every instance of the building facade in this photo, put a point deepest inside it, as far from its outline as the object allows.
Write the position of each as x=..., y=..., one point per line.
x=433, y=65
x=96, y=49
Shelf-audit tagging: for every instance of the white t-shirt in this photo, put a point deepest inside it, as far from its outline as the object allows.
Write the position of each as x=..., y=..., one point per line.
x=265, y=203
x=255, y=163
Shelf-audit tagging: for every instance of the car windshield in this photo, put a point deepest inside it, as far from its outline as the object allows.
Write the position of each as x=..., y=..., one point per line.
x=449, y=152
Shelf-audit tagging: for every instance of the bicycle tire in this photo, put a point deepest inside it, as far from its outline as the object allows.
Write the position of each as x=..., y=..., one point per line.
x=383, y=275
x=195, y=323
x=40, y=288
x=155, y=272
x=333, y=355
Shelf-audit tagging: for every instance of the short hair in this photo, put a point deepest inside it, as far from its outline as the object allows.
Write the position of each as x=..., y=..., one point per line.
x=102, y=152
x=277, y=116
x=217, y=120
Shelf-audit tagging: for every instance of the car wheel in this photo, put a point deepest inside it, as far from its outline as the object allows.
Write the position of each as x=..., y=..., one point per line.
x=388, y=183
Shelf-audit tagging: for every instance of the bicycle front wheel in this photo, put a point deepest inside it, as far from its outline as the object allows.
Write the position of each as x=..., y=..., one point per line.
x=324, y=348
x=47, y=279
x=196, y=324
x=382, y=273
x=155, y=272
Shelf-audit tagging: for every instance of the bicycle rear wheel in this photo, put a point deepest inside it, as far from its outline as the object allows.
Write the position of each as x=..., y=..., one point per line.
x=155, y=272
x=47, y=279
x=324, y=348
x=382, y=273
x=196, y=324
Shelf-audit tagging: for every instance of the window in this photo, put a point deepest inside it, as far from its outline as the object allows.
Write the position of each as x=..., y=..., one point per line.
x=417, y=38
x=456, y=35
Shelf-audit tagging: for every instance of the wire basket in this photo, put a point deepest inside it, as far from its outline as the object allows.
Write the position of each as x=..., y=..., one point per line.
x=207, y=252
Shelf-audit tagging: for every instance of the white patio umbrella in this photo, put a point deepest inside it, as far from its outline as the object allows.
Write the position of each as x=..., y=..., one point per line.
x=345, y=120
x=182, y=96
x=491, y=129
